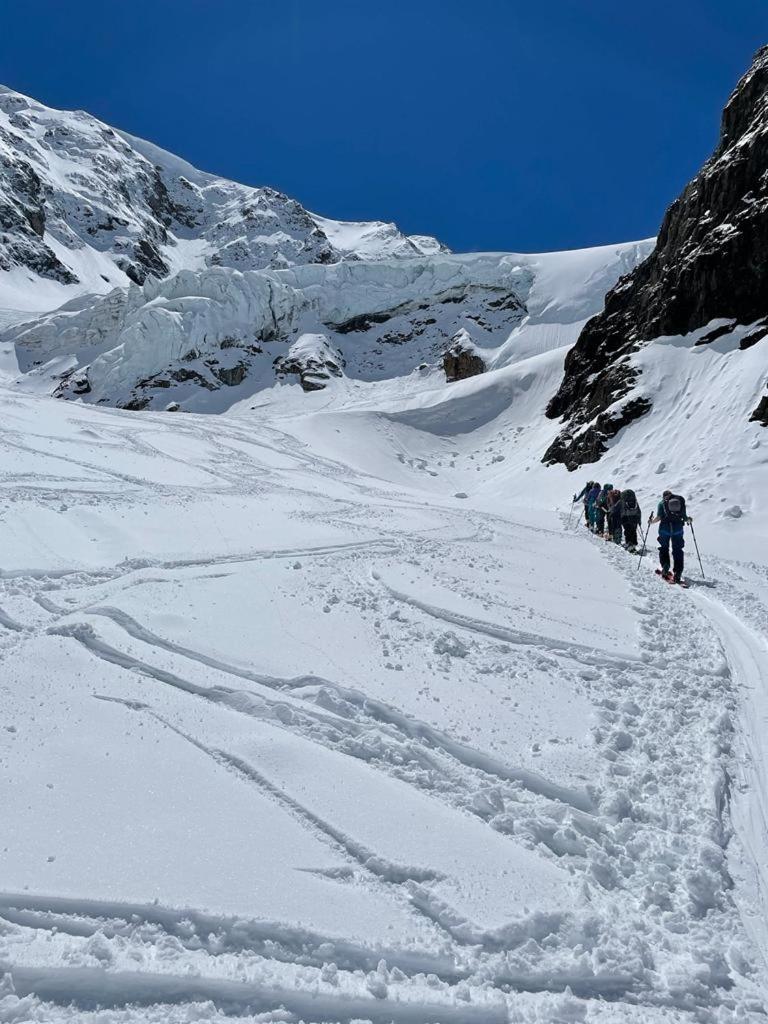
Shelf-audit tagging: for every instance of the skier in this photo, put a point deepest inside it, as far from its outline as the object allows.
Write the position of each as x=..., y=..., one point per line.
x=592, y=505
x=630, y=517
x=602, y=508
x=671, y=515
x=583, y=495
x=614, y=516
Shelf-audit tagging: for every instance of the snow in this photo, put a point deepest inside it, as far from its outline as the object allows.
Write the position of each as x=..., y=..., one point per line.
x=290, y=730
x=178, y=325
x=104, y=191
x=375, y=240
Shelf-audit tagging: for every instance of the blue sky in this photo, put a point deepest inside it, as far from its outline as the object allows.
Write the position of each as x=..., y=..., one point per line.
x=492, y=124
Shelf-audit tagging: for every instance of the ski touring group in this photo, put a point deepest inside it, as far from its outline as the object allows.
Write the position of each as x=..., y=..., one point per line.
x=616, y=516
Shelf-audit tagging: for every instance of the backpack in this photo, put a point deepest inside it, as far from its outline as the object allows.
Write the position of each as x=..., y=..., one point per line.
x=674, y=509
x=629, y=507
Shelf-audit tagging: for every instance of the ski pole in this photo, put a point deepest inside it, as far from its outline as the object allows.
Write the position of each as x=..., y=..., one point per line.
x=568, y=524
x=690, y=523
x=645, y=538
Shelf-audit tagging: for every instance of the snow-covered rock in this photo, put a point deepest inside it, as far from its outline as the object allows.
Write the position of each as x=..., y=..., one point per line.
x=128, y=277
x=375, y=240
x=313, y=359
x=463, y=358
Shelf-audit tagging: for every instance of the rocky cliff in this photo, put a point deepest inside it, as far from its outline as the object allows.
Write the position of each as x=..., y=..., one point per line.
x=709, y=267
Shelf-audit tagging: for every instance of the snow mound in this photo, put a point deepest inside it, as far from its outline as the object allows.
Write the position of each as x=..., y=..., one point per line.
x=313, y=359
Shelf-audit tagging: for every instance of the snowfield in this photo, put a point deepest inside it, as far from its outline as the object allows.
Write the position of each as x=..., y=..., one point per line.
x=321, y=711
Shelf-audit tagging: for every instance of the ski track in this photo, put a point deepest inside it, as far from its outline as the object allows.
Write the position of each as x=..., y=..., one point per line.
x=576, y=652
x=216, y=934
x=654, y=838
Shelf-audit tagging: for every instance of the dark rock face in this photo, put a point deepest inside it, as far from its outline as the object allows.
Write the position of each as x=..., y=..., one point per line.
x=232, y=375
x=760, y=415
x=462, y=359
x=710, y=262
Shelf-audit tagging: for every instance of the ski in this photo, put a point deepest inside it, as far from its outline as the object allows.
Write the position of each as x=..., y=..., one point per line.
x=671, y=580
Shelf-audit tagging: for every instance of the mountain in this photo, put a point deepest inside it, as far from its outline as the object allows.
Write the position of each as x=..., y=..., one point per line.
x=85, y=208
x=705, y=283
x=130, y=278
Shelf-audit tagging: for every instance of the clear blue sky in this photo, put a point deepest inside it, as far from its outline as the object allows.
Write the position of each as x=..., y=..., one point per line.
x=494, y=124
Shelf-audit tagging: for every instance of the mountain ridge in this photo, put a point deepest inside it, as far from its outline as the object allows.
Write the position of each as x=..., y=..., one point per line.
x=88, y=207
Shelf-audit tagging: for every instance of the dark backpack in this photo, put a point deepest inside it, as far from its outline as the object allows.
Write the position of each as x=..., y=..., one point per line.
x=629, y=507
x=674, y=509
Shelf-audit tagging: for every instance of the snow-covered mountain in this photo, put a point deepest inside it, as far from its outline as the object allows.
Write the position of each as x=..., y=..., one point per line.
x=85, y=208
x=130, y=278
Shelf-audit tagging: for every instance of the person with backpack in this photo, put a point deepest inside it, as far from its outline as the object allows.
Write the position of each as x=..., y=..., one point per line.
x=614, y=516
x=672, y=516
x=602, y=508
x=592, y=497
x=583, y=495
x=630, y=517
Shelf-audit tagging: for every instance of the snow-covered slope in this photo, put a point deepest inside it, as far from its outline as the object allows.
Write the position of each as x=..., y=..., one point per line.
x=316, y=712
x=85, y=208
x=375, y=240
x=128, y=277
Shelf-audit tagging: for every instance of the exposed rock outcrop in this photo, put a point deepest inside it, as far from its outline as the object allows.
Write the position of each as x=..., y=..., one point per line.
x=463, y=358
x=710, y=262
x=760, y=415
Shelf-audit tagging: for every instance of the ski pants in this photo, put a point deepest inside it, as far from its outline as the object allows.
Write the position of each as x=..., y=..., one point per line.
x=614, y=527
x=586, y=513
x=591, y=513
x=677, y=541
x=630, y=534
x=599, y=520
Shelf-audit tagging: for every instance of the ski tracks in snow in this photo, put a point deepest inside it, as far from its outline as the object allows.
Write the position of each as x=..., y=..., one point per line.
x=694, y=768
x=649, y=842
